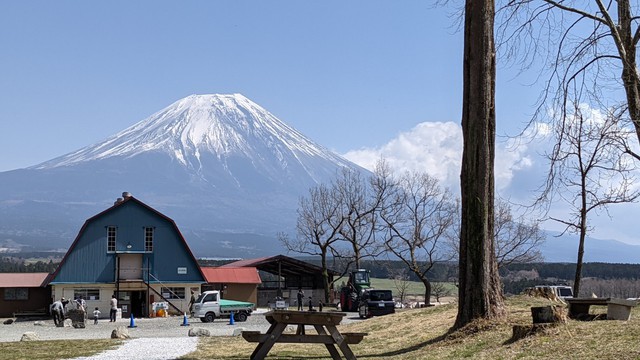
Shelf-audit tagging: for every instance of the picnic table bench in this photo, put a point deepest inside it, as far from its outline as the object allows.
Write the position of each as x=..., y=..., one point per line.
x=323, y=322
x=617, y=309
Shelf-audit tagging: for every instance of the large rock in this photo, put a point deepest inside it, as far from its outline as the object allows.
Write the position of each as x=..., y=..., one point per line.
x=30, y=336
x=238, y=331
x=77, y=317
x=199, y=332
x=120, y=332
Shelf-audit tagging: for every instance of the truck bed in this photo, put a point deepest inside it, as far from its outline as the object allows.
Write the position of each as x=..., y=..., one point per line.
x=230, y=305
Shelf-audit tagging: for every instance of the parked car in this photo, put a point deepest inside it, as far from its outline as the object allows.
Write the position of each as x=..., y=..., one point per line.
x=561, y=291
x=375, y=302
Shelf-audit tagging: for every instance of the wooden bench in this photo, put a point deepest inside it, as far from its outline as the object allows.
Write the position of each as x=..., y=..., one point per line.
x=617, y=309
x=323, y=322
x=349, y=338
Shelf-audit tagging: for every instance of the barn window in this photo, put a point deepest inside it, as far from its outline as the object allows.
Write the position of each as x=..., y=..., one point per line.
x=16, y=294
x=148, y=239
x=87, y=294
x=111, y=238
x=173, y=292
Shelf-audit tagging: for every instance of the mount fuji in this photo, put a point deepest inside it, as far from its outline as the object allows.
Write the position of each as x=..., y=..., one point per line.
x=225, y=169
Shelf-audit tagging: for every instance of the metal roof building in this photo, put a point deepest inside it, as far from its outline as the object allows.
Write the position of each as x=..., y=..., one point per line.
x=283, y=275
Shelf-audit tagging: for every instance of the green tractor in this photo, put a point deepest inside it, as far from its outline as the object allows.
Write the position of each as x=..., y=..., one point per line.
x=350, y=294
x=358, y=296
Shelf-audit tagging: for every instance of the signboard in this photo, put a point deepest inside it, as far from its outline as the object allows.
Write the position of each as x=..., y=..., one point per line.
x=182, y=271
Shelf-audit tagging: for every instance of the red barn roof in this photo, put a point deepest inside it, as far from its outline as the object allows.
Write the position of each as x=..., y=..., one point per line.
x=231, y=275
x=23, y=280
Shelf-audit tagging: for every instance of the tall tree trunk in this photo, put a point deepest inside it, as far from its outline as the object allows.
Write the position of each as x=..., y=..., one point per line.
x=325, y=275
x=480, y=290
x=427, y=291
x=583, y=235
x=627, y=50
x=578, y=276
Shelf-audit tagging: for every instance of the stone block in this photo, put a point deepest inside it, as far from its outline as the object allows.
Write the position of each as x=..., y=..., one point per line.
x=619, y=309
x=77, y=317
x=120, y=332
x=30, y=336
x=199, y=332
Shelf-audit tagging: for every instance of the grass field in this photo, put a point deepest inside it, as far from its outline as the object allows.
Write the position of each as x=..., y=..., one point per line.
x=57, y=349
x=414, y=290
x=425, y=334
x=413, y=334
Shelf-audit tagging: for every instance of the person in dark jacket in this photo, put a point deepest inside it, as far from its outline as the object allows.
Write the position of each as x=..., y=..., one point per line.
x=300, y=299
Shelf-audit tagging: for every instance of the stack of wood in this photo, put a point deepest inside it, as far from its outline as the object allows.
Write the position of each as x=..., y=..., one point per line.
x=543, y=292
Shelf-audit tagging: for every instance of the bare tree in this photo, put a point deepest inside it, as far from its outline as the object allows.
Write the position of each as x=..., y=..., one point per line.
x=588, y=173
x=440, y=290
x=359, y=202
x=417, y=217
x=401, y=282
x=517, y=240
x=318, y=225
x=480, y=292
x=589, y=47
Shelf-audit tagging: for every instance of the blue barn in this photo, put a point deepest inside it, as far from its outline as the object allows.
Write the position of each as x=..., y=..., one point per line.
x=133, y=251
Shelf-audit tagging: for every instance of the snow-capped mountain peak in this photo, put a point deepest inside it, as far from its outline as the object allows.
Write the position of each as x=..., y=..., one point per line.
x=223, y=125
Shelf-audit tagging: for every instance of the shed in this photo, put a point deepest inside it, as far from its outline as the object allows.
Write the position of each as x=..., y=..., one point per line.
x=234, y=283
x=283, y=275
x=24, y=293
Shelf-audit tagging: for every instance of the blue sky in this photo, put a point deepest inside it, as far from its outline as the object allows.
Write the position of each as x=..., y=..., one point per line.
x=364, y=78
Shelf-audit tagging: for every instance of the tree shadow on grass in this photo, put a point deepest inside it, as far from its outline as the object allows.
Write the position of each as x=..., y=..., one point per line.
x=402, y=351
x=409, y=349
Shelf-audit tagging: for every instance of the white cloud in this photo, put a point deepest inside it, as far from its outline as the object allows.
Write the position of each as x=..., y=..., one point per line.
x=436, y=148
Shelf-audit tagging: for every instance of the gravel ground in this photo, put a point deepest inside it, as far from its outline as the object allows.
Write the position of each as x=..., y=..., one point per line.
x=152, y=339
x=149, y=348
x=145, y=328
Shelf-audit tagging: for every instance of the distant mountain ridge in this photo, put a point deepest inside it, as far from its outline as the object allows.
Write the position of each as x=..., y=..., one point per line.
x=217, y=164
x=565, y=249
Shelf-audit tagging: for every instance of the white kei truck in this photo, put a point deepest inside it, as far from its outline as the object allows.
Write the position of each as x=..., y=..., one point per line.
x=209, y=306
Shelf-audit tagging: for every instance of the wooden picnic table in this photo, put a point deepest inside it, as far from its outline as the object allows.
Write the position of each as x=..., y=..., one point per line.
x=323, y=322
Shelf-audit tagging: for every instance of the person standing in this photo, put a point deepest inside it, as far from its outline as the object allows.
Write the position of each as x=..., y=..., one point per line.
x=192, y=302
x=114, y=308
x=82, y=305
x=59, y=310
x=96, y=315
x=300, y=299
